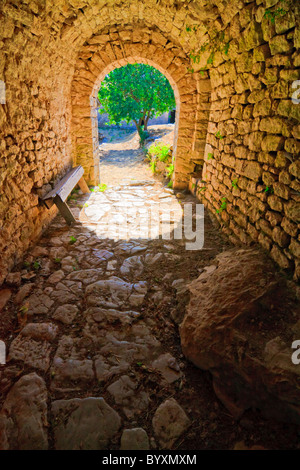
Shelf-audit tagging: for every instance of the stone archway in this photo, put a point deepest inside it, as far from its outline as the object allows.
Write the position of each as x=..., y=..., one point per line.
x=101, y=55
x=93, y=102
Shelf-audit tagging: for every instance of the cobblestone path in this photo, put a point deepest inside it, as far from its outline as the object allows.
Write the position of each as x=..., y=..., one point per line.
x=94, y=359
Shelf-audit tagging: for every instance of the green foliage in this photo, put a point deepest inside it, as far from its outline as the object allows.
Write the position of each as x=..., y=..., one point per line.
x=170, y=184
x=269, y=190
x=271, y=15
x=219, y=135
x=191, y=28
x=135, y=92
x=210, y=60
x=57, y=260
x=190, y=69
x=23, y=310
x=102, y=187
x=98, y=189
x=214, y=44
x=210, y=156
x=159, y=151
x=170, y=170
x=223, y=205
x=153, y=166
x=200, y=190
x=234, y=183
x=226, y=48
x=72, y=240
x=36, y=265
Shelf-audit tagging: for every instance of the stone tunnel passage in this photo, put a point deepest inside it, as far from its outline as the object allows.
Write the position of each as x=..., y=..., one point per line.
x=235, y=64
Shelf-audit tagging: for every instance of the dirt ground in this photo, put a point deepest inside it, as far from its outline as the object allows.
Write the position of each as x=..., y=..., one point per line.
x=122, y=159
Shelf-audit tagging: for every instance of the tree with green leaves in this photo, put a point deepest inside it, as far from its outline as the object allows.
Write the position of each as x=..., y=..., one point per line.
x=135, y=92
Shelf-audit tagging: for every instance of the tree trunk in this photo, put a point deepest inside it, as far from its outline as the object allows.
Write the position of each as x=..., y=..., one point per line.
x=138, y=126
x=147, y=118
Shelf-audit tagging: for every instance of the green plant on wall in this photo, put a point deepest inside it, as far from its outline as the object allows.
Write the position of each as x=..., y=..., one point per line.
x=234, y=183
x=201, y=190
x=210, y=156
x=269, y=190
x=170, y=170
x=271, y=15
x=218, y=135
x=223, y=205
x=214, y=44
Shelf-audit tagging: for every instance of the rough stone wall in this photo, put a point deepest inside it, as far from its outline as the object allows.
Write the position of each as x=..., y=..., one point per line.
x=33, y=129
x=252, y=163
x=45, y=52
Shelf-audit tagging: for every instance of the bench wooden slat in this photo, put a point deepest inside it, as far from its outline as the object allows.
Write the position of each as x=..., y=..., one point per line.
x=65, y=185
x=64, y=210
x=59, y=194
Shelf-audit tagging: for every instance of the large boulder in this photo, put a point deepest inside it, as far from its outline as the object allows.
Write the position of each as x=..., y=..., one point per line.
x=240, y=323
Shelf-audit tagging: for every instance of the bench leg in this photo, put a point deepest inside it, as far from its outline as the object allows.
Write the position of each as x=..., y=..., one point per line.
x=64, y=210
x=83, y=186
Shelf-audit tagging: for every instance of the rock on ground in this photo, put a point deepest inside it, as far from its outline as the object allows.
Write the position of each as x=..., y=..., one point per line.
x=235, y=313
x=169, y=423
x=84, y=424
x=134, y=439
x=33, y=345
x=23, y=418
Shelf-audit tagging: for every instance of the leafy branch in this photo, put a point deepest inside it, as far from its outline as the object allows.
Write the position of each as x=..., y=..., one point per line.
x=214, y=45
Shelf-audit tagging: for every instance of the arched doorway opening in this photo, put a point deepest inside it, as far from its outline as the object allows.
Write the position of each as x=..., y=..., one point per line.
x=190, y=90
x=133, y=102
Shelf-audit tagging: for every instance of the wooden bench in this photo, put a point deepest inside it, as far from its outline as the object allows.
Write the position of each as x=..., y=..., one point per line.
x=59, y=194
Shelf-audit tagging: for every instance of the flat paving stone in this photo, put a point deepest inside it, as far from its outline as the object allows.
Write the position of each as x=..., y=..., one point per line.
x=66, y=313
x=23, y=418
x=169, y=423
x=126, y=393
x=116, y=293
x=39, y=303
x=132, y=265
x=33, y=345
x=134, y=439
x=84, y=424
x=168, y=367
x=72, y=367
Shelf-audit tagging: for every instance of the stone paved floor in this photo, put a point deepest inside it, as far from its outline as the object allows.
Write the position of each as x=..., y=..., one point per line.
x=97, y=368
x=94, y=359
